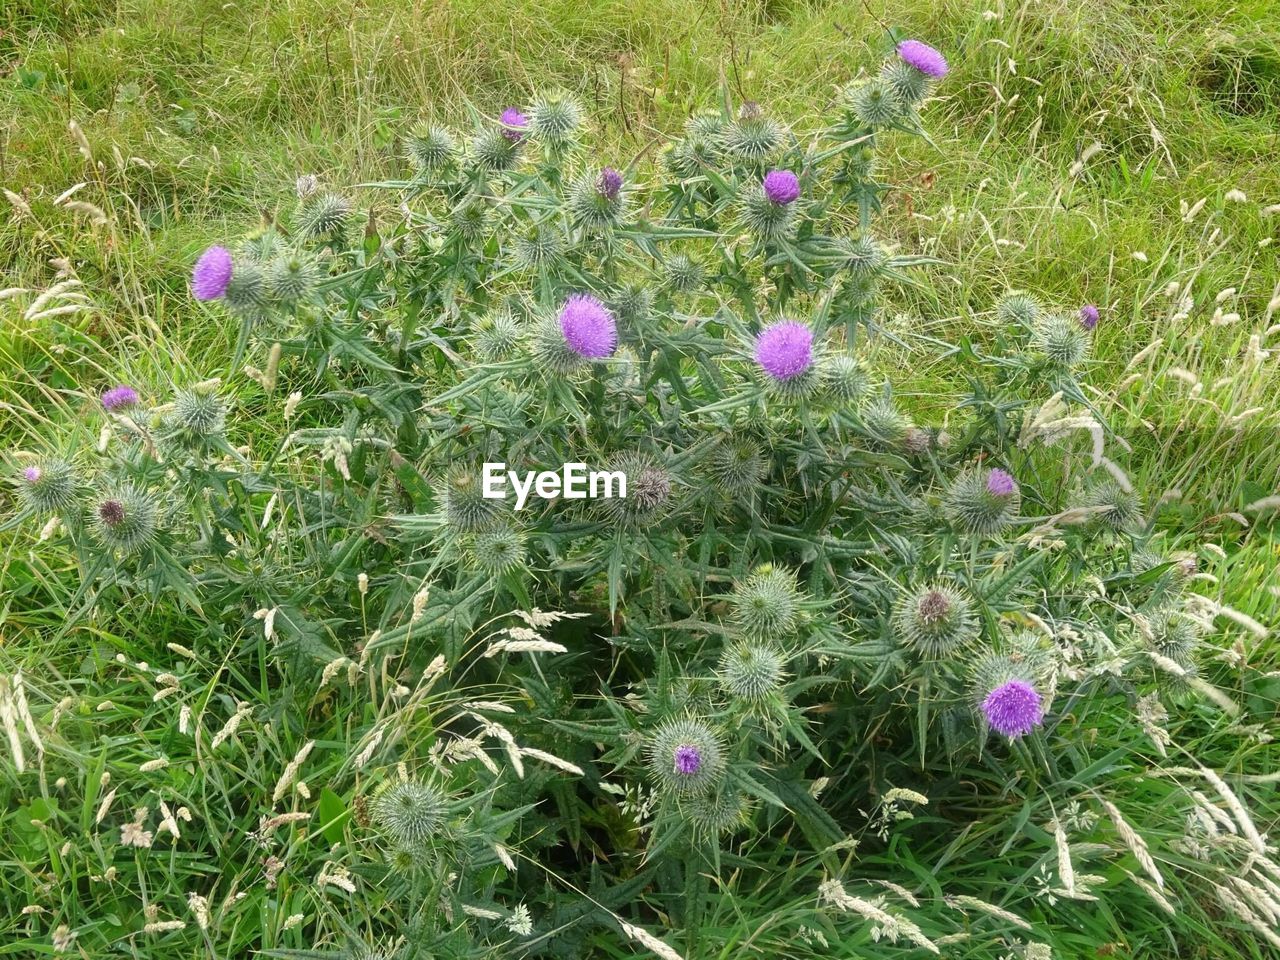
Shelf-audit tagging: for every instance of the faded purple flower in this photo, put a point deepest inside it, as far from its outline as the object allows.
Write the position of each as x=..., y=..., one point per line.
x=513, y=124
x=1088, y=316
x=32, y=474
x=119, y=398
x=688, y=759
x=212, y=273
x=588, y=327
x=1000, y=483
x=785, y=350
x=923, y=57
x=111, y=512
x=1013, y=709
x=934, y=607
x=609, y=183
x=781, y=186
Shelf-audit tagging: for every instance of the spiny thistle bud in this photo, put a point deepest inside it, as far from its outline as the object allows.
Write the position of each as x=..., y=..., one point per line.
x=863, y=258
x=691, y=156
x=498, y=551
x=555, y=118
x=124, y=520
x=597, y=201
x=496, y=336
x=248, y=294
x=1063, y=340
x=885, y=425
x=983, y=502
x=683, y=274
x=632, y=304
x=908, y=84
x=471, y=219
x=781, y=186
x=650, y=489
x=764, y=218
x=263, y=247
x=1125, y=506
x=737, y=467
x=293, y=279
x=410, y=811
x=750, y=671
x=197, y=414
x=211, y=274
x=845, y=380
x=1171, y=633
x=465, y=508
x=119, y=398
x=588, y=327
x=751, y=138
x=323, y=216
x=859, y=164
x=706, y=125
x=717, y=812
x=874, y=102
x=430, y=148
x=767, y=604
x=540, y=247
x=936, y=620
x=495, y=150
x=1013, y=709
x=550, y=350
x=1018, y=309
x=48, y=486
x=685, y=757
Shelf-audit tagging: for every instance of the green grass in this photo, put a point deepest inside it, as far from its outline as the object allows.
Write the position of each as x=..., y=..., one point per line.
x=199, y=114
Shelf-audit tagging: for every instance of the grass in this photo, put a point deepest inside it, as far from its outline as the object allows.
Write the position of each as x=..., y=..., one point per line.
x=197, y=115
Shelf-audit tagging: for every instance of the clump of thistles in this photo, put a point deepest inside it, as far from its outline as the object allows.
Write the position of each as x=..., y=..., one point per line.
x=120, y=398
x=212, y=274
x=785, y=349
x=1013, y=709
x=589, y=327
x=781, y=186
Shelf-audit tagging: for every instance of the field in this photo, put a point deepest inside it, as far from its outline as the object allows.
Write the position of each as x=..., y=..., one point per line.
x=1105, y=153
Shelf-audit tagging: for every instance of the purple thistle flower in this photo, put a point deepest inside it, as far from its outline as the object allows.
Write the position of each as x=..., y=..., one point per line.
x=588, y=327
x=513, y=124
x=119, y=398
x=32, y=474
x=212, y=273
x=781, y=186
x=1000, y=483
x=609, y=183
x=1088, y=316
x=785, y=350
x=1013, y=709
x=918, y=54
x=688, y=759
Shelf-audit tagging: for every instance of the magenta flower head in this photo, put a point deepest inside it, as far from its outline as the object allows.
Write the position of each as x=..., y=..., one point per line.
x=212, y=273
x=1013, y=709
x=32, y=474
x=120, y=398
x=609, y=183
x=1000, y=483
x=785, y=349
x=688, y=760
x=513, y=124
x=1088, y=316
x=781, y=186
x=588, y=327
x=918, y=54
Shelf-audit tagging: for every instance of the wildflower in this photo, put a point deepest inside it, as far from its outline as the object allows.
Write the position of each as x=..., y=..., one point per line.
x=609, y=183
x=520, y=922
x=48, y=486
x=935, y=620
x=781, y=186
x=119, y=398
x=124, y=520
x=686, y=757
x=588, y=327
x=1088, y=316
x=923, y=57
x=1013, y=709
x=513, y=124
x=785, y=349
x=1000, y=483
x=212, y=274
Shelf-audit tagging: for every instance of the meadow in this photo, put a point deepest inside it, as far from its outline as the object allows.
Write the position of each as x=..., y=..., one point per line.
x=206, y=750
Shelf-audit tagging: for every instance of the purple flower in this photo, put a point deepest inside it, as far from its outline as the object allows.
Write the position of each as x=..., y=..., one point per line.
x=588, y=327
x=212, y=273
x=32, y=474
x=1013, y=709
x=119, y=398
x=513, y=124
x=1088, y=316
x=785, y=350
x=923, y=57
x=1000, y=483
x=688, y=759
x=609, y=183
x=781, y=186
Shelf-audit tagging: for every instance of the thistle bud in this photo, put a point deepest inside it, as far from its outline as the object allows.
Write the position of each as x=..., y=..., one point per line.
x=429, y=149
x=767, y=604
x=48, y=486
x=685, y=757
x=466, y=510
x=935, y=620
x=1063, y=340
x=410, y=811
x=750, y=671
x=554, y=119
x=1018, y=309
x=683, y=274
x=983, y=502
x=498, y=551
x=124, y=520
x=1124, y=507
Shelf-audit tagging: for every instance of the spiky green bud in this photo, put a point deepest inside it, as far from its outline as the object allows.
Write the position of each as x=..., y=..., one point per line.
x=686, y=757
x=750, y=671
x=123, y=520
x=935, y=621
x=767, y=604
x=410, y=811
